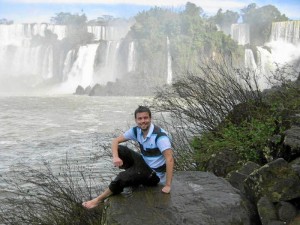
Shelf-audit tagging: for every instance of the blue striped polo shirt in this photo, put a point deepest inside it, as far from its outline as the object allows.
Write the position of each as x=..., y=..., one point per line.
x=162, y=143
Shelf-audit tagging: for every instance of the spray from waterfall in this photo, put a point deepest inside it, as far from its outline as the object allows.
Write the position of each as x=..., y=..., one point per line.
x=169, y=69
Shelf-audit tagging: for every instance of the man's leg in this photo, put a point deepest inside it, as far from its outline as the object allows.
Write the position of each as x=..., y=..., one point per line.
x=95, y=202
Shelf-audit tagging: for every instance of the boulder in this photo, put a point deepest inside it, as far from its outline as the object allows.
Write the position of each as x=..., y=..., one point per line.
x=292, y=141
x=266, y=211
x=237, y=178
x=197, y=198
x=79, y=90
x=276, y=180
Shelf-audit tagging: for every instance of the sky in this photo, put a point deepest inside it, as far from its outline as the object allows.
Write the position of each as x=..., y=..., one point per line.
x=29, y=11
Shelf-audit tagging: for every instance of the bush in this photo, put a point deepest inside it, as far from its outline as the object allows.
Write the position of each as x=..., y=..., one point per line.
x=41, y=196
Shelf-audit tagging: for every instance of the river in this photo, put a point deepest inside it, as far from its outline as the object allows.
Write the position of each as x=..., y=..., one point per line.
x=49, y=128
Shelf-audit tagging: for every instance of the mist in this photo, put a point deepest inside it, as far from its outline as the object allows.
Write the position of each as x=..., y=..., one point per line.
x=153, y=49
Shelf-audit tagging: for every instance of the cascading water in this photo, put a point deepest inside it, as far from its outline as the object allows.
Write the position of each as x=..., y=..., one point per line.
x=240, y=33
x=131, y=57
x=82, y=70
x=249, y=60
x=283, y=49
x=24, y=53
x=107, y=70
x=288, y=31
x=170, y=73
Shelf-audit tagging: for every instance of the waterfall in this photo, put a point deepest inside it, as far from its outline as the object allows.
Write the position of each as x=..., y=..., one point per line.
x=108, y=33
x=107, y=70
x=47, y=64
x=265, y=67
x=97, y=31
x=288, y=31
x=169, y=61
x=27, y=61
x=14, y=34
x=249, y=60
x=131, y=57
x=70, y=58
x=240, y=33
x=21, y=34
x=82, y=70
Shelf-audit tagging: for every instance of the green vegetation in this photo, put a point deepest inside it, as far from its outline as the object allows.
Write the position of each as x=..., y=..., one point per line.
x=260, y=21
x=191, y=36
x=222, y=113
x=43, y=196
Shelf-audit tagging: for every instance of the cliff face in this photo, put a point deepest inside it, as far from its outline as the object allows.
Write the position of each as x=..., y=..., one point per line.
x=199, y=198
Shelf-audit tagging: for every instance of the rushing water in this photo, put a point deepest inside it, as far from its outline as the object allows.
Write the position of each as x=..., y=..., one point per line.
x=48, y=128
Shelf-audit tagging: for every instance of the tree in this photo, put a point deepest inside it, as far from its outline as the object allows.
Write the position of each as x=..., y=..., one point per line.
x=5, y=21
x=63, y=18
x=260, y=21
x=225, y=20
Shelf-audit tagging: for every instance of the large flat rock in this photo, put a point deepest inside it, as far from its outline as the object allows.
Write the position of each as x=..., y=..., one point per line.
x=198, y=198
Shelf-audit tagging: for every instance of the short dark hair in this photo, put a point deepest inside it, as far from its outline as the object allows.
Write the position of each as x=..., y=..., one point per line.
x=141, y=109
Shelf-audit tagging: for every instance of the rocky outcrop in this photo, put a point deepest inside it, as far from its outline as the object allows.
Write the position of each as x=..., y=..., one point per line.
x=274, y=189
x=197, y=198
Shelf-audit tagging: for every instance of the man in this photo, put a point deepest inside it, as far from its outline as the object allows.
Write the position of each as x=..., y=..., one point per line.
x=154, y=164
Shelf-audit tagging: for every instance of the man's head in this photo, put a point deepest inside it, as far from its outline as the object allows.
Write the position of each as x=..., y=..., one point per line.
x=141, y=109
x=143, y=117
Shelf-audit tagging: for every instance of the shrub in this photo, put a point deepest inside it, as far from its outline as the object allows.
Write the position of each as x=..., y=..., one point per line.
x=41, y=196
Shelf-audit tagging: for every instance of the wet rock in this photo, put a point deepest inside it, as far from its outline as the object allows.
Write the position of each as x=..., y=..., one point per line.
x=79, y=90
x=292, y=140
x=266, y=211
x=275, y=180
x=296, y=220
x=286, y=211
x=237, y=178
x=222, y=163
x=197, y=198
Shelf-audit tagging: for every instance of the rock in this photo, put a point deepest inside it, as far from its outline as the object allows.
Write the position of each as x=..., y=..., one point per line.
x=296, y=220
x=295, y=164
x=87, y=90
x=276, y=222
x=286, y=211
x=197, y=198
x=275, y=180
x=237, y=178
x=266, y=211
x=97, y=90
x=248, y=168
x=79, y=90
x=222, y=163
x=292, y=141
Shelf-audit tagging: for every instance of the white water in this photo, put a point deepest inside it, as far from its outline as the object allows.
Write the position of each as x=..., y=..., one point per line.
x=249, y=60
x=34, y=129
x=169, y=72
x=240, y=33
x=131, y=57
x=82, y=71
x=288, y=31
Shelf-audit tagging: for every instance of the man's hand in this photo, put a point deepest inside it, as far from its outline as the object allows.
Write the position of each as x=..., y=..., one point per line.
x=117, y=161
x=166, y=189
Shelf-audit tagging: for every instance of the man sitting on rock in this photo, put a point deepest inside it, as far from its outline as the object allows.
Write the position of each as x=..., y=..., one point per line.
x=154, y=164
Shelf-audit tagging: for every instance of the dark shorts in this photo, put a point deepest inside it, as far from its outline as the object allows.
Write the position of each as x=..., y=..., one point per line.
x=136, y=172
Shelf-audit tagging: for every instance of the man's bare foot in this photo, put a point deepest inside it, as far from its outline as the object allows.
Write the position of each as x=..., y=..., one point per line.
x=91, y=204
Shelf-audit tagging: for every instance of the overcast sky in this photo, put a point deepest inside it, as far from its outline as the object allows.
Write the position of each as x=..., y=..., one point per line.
x=43, y=10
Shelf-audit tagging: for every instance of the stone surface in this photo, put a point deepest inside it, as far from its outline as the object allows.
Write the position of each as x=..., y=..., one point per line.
x=197, y=198
x=266, y=211
x=292, y=139
x=276, y=180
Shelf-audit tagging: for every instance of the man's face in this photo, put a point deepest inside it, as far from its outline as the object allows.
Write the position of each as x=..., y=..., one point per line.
x=143, y=120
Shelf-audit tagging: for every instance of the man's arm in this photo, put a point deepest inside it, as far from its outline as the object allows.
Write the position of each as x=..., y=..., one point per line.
x=114, y=147
x=168, y=154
